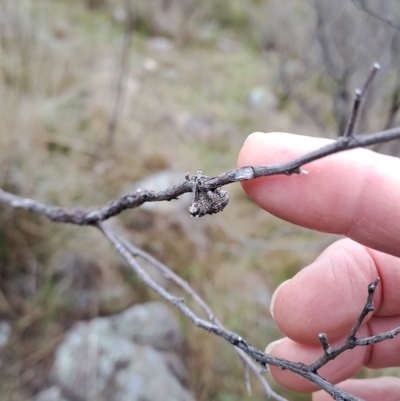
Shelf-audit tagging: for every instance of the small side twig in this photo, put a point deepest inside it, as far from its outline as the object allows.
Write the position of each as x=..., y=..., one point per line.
x=354, y=114
x=233, y=338
x=185, y=286
x=325, y=345
x=360, y=95
x=309, y=372
x=368, y=308
x=209, y=198
x=351, y=340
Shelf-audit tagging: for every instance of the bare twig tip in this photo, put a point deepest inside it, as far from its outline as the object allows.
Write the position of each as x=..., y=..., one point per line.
x=372, y=286
x=377, y=66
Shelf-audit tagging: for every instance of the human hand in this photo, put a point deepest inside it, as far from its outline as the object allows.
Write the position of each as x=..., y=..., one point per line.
x=356, y=194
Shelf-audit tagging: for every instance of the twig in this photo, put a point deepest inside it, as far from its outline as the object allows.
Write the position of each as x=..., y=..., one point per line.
x=360, y=94
x=351, y=340
x=212, y=199
x=354, y=114
x=209, y=193
x=131, y=201
x=247, y=377
x=233, y=338
x=184, y=285
x=368, y=308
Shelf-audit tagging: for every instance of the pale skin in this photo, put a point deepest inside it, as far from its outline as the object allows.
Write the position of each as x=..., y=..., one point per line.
x=355, y=194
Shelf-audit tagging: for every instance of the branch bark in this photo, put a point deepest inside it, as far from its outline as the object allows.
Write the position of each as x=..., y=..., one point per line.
x=92, y=217
x=207, y=189
x=309, y=372
x=184, y=285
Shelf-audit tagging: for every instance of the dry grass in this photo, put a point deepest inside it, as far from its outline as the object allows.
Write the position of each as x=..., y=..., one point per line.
x=184, y=109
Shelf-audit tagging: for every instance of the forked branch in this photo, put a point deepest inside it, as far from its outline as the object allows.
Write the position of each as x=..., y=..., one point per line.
x=208, y=199
x=309, y=372
x=184, y=285
x=91, y=217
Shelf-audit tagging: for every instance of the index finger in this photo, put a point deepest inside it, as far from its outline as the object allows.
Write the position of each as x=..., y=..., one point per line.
x=354, y=193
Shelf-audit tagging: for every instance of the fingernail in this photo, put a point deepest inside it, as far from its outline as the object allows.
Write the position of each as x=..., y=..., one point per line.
x=253, y=135
x=271, y=308
x=272, y=345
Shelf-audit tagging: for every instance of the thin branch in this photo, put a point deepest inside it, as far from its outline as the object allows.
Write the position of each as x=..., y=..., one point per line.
x=306, y=371
x=247, y=377
x=233, y=338
x=91, y=217
x=351, y=340
x=375, y=68
x=360, y=95
x=208, y=192
x=325, y=345
x=378, y=338
x=185, y=286
x=354, y=114
x=368, y=308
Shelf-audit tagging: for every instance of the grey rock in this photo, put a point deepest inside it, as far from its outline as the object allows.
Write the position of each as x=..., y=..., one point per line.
x=175, y=365
x=160, y=44
x=227, y=45
x=5, y=331
x=196, y=126
x=116, y=358
x=160, y=181
x=119, y=14
x=84, y=281
x=150, y=65
x=151, y=323
x=51, y=394
x=260, y=98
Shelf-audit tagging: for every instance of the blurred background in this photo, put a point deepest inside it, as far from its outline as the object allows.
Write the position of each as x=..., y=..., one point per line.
x=101, y=97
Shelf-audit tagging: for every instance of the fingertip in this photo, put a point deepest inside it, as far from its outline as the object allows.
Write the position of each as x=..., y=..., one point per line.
x=276, y=193
x=340, y=195
x=254, y=135
x=269, y=147
x=328, y=295
x=270, y=346
x=274, y=295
